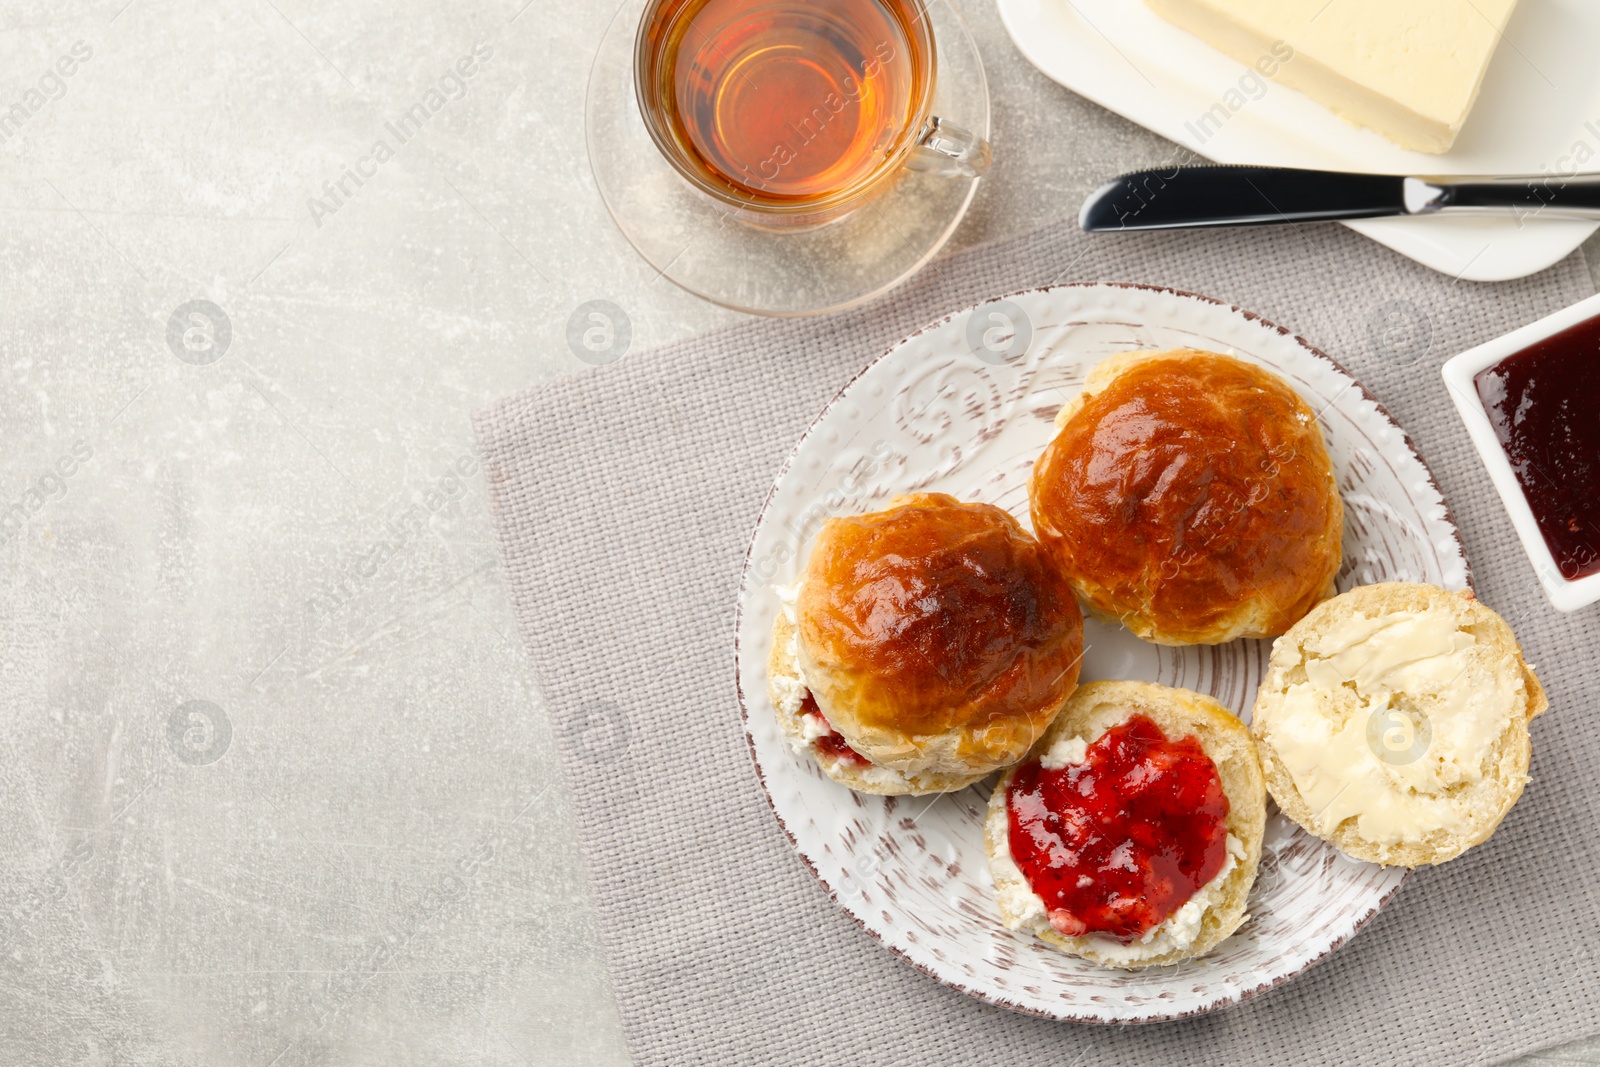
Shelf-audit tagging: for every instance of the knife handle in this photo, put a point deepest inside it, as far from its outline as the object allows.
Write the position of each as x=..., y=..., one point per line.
x=1556, y=196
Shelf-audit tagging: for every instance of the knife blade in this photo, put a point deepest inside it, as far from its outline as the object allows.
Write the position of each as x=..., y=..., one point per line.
x=1186, y=197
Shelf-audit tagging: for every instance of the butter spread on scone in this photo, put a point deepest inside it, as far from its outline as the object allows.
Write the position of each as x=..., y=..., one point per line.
x=929, y=639
x=1131, y=834
x=1393, y=722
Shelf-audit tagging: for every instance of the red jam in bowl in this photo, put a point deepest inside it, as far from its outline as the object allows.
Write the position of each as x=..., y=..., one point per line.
x=1544, y=403
x=831, y=743
x=1118, y=843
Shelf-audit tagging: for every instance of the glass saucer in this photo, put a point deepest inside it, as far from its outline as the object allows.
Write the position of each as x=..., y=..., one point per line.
x=696, y=243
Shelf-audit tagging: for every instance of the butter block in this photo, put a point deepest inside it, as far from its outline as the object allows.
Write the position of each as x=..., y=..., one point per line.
x=1409, y=69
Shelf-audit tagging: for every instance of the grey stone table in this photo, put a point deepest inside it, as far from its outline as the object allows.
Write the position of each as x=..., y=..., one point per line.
x=275, y=783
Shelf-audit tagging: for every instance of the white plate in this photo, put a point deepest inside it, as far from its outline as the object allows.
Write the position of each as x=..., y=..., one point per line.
x=931, y=415
x=1540, y=103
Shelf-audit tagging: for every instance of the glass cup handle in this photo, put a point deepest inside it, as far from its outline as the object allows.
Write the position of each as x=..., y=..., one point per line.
x=947, y=149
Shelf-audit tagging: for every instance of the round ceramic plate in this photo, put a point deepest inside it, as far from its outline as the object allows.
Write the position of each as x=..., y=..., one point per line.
x=947, y=411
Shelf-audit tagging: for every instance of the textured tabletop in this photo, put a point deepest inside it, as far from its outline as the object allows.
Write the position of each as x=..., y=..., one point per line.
x=276, y=786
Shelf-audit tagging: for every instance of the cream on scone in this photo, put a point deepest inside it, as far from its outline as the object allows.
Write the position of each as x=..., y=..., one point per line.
x=1131, y=834
x=1393, y=722
x=924, y=647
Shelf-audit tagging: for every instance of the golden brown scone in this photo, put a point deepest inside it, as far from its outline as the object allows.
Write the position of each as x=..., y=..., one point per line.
x=1393, y=722
x=1217, y=908
x=1190, y=497
x=933, y=637
x=807, y=730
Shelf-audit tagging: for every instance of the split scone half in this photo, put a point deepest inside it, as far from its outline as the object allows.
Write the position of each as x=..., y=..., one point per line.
x=925, y=647
x=1393, y=722
x=1131, y=834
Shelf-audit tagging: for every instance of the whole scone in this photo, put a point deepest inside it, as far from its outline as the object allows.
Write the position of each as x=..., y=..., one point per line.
x=1190, y=497
x=1393, y=722
x=925, y=646
x=1218, y=908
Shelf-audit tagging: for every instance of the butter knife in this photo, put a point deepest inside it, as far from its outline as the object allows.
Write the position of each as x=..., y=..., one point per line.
x=1184, y=197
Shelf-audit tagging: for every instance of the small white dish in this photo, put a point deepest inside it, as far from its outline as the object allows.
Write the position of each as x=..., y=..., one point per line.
x=1460, y=374
x=1536, y=114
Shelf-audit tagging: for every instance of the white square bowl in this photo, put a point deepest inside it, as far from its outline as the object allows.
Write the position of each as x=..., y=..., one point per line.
x=1459, y=374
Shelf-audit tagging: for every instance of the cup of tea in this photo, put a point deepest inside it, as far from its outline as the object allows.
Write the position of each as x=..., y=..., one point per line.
x=794, y=113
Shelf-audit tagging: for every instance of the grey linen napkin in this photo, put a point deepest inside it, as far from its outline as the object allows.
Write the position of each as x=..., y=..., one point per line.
x=625, y=497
